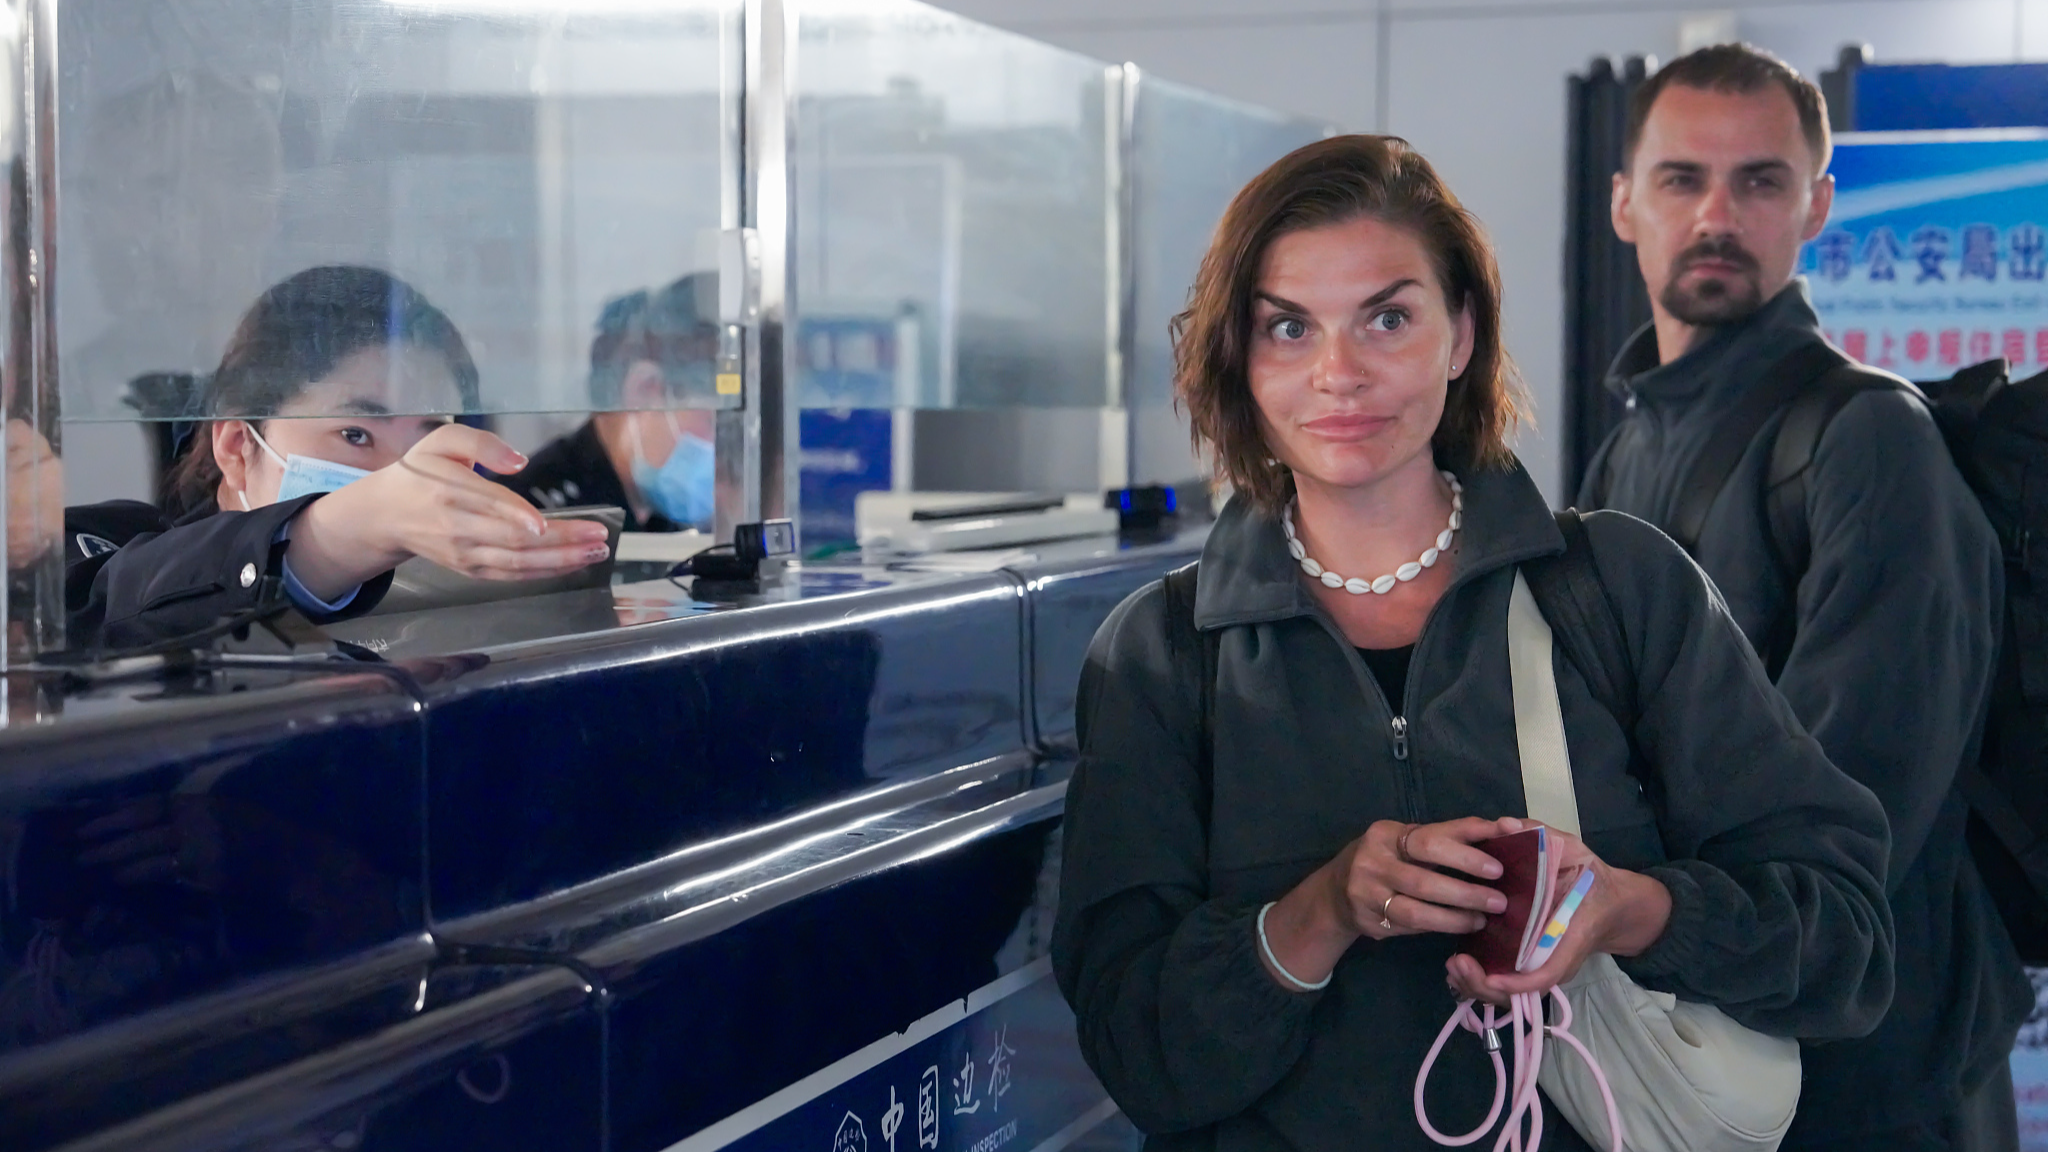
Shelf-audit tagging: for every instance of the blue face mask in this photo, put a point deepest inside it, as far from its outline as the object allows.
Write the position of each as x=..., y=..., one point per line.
x=682, y=489
x=304, y=475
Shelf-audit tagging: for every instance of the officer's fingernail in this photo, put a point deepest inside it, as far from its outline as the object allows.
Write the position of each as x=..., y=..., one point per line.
x=597, y=553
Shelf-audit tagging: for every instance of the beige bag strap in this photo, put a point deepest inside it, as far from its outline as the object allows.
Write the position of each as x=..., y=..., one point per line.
x=1539, y=718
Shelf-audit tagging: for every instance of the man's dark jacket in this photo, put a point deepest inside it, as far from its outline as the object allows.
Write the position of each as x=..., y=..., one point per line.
x=1898, y=619
x=575, y=470
x=1774, y=859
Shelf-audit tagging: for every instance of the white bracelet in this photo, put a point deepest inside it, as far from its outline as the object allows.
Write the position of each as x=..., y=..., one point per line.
x=1266, y=947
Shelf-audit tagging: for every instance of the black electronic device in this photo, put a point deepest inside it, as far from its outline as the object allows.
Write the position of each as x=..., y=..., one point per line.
x=740, y=561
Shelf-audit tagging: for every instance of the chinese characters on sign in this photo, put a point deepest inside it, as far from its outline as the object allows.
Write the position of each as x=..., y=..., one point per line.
x=1002, y=1075
x=892, y=1119
x=969, y=1091
x=1935, y=255
x=1946, y=348
x=928, y=1109
x=999, y=1067
x=2018, y=256
x=964, y=1103
x=1933, y=337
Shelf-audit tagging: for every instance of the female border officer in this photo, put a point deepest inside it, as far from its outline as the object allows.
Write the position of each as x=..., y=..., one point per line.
x=310, y=482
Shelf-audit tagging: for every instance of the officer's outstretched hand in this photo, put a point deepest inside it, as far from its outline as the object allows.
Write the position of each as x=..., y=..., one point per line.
x=432, y=503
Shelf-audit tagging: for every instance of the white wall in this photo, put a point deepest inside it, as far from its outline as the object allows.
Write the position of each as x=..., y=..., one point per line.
x=1479, y=86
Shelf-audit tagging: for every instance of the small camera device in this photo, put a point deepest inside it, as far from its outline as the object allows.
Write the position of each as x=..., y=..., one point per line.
x=768, y=538
x=740, y=561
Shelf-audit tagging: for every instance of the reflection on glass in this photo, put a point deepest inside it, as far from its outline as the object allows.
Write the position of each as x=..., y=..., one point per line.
x=322, y=383
x=517, y=165
x=952, y=247
x=1190, y=154
x=325, y=462
x=653, y=350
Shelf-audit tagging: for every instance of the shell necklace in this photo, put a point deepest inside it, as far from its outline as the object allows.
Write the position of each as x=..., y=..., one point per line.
x=1401, y=575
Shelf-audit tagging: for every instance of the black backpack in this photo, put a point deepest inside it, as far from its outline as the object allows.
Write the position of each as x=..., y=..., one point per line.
x=1997, y=433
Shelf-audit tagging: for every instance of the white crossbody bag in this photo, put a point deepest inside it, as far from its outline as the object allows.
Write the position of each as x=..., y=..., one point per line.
x=1685, y=1077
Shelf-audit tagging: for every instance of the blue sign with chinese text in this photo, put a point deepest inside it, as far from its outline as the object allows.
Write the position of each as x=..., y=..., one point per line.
x=1936, y=253
x=999, y=1070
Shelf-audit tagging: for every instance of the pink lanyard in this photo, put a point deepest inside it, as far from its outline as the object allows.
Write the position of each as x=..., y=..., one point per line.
x=1528, y=1028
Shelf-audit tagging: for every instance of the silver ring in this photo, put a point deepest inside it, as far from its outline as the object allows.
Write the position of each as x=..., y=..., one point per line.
x=1387, y=911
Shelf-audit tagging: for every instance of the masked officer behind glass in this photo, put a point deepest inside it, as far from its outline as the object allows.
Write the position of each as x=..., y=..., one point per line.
x=1894, y=624
x=646, y=457
x=314, y=481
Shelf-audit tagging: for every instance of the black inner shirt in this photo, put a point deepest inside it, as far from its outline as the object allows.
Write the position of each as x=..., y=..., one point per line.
x=1389, y=666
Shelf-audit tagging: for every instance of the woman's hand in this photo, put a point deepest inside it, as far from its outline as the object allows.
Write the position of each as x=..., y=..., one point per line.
x=1623, y=914
x=1393, y=881
x=432, y=503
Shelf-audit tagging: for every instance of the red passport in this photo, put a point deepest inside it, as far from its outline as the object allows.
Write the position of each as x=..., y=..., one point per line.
x=1528, y=878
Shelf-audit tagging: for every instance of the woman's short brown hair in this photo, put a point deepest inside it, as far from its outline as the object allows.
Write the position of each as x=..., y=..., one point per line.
x=1330, y=182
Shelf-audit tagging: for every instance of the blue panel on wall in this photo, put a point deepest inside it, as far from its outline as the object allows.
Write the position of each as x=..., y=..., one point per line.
x=1909, y=97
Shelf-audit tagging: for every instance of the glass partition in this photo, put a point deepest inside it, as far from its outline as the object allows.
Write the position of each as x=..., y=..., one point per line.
x=520, y=212
x=953, y=188
x=32, y=480
x=522, y=168
x=1189, y=153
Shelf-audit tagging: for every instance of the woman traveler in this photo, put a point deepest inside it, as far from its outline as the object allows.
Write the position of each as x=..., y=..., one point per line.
x=1265, y=877
x=315, y=476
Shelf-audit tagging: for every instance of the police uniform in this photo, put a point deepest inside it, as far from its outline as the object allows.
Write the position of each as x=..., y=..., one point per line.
x=133, y=576
x=575, y=471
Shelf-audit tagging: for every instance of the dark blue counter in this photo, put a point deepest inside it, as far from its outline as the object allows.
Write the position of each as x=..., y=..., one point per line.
x=692, y=872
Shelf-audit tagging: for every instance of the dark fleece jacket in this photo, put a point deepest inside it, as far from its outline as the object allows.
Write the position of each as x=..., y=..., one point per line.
x=1774, y=859
x=1898, y=619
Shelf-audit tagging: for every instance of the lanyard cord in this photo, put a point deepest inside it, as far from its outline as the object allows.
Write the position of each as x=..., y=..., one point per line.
x=1526, y=1027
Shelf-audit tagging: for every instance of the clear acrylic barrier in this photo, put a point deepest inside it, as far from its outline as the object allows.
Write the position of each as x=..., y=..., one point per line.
x=521, y=165
x=1189, y=154
x=953, y=237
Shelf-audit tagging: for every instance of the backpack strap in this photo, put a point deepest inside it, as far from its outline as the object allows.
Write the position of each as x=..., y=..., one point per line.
x=1784, y=381
x=1194, y=648
x=1584, y=620
x=1807, y=417
x=1806, y=420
